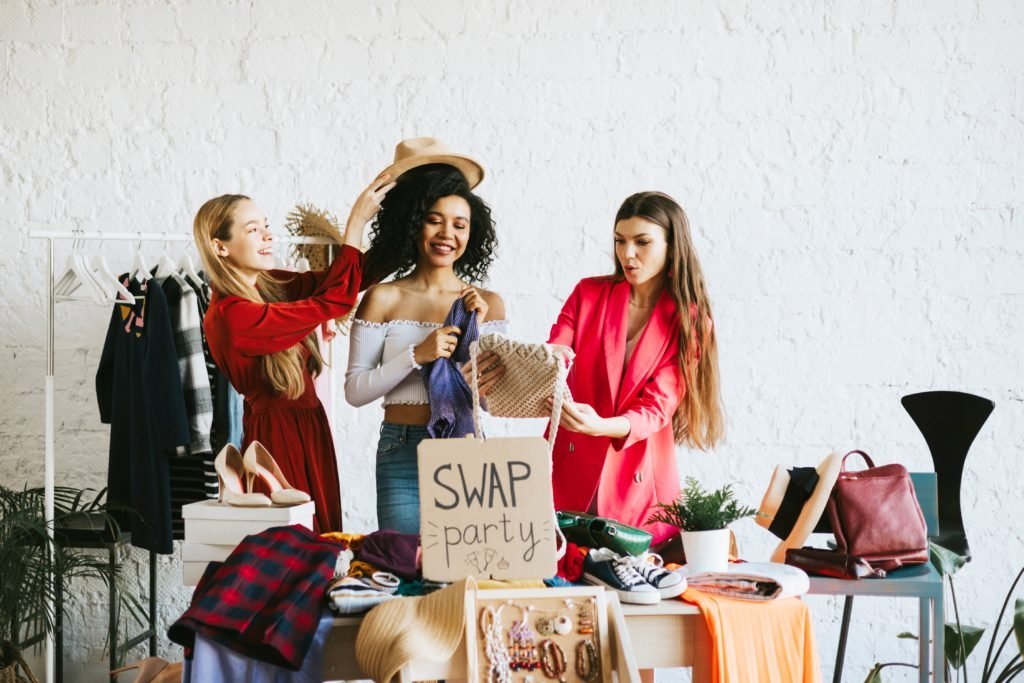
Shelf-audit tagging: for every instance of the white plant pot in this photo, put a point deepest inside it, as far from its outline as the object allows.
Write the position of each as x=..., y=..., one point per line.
x=706, y=551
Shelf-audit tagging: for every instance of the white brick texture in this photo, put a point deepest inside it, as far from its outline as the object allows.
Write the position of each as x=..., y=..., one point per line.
x=852, y=171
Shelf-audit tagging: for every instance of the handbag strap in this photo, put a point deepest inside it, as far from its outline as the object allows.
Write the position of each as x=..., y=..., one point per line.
x=867, y=459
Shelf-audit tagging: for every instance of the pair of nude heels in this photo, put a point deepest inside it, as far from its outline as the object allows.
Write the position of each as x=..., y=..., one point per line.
x=152, y=670
x=232, y=466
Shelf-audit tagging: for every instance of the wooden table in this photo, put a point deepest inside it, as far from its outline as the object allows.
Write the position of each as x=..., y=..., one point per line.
x=669, y=634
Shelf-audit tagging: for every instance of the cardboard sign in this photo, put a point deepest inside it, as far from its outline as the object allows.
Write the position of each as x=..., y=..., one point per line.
x=486, y=509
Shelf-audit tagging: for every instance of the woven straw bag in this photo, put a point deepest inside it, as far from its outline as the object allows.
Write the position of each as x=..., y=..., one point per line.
x=533, y=372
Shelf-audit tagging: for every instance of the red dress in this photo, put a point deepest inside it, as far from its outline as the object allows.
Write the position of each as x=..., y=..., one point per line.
x=296, y=432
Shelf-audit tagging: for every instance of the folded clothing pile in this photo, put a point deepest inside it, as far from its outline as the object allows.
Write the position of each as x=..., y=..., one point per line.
x=751, y=581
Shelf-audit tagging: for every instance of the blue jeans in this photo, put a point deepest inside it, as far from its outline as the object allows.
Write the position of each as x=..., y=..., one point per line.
x=398, y=486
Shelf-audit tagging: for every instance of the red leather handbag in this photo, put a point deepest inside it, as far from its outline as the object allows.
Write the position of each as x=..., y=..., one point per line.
x=875, y=515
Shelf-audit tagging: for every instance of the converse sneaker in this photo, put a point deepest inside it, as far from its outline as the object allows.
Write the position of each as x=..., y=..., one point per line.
x=668, y=584
x=602, y=567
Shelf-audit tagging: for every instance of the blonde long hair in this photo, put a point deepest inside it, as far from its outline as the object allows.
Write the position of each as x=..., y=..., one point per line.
x=698, y=420
x=283, y=370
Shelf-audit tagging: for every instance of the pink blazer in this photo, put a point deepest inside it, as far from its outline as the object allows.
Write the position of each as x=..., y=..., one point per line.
x=629, y=474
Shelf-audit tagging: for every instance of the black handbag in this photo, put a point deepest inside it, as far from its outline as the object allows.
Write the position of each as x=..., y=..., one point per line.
x=600, y=532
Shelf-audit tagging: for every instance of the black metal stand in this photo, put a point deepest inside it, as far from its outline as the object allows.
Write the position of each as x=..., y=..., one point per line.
x=112, y=545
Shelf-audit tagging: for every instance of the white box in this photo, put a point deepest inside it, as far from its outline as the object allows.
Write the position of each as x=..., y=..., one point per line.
x=205, y=552
x=274, y=515
x=191, y=572
x=214, y=523
x=212, y=530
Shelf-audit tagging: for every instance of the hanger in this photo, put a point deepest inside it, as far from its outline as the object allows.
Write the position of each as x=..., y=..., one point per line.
x=165, y=267
x=67, y=281
x=78, y=274
x=140, y=271
x=188, y=268
x=106, y=278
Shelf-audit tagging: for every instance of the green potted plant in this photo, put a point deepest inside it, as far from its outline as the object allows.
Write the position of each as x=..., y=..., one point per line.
x=703, y=519
x=30, y=559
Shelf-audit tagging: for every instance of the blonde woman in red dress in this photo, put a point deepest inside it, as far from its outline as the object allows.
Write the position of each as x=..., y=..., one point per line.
x=261, y=330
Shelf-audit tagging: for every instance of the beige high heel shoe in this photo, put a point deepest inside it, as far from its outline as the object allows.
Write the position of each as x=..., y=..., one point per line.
x=259, y=463
x=230, y=466
x=152, y=670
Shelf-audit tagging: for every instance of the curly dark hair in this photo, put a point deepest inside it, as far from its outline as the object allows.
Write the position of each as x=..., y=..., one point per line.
x=399, y=222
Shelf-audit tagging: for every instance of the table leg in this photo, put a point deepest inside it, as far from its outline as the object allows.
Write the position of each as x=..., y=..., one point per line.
x=924, y=637
x=939, y=640
x=844, y=631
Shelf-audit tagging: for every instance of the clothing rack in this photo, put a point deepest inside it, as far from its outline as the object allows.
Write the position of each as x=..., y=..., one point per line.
x=92, y=235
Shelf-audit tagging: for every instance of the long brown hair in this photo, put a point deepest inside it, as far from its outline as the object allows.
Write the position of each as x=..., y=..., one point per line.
x=282, y=370
x=698, y=420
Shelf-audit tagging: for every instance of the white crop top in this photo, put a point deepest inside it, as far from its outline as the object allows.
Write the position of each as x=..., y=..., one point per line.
x=380, y=360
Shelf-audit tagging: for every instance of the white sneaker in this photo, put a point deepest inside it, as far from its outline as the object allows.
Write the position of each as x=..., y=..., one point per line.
x=602, y=567
x=668, y=584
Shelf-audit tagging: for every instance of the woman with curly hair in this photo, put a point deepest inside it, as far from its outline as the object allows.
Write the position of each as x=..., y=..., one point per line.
x=437, y=237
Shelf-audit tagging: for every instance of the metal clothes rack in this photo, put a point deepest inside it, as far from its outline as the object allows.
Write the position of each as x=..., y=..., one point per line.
x=48, y=474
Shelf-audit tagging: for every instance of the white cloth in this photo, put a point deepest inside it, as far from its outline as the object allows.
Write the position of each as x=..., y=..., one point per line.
x=752, y=581
x=380, y=360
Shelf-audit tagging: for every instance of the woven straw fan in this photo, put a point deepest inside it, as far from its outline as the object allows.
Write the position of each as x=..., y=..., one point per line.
x=305, y=220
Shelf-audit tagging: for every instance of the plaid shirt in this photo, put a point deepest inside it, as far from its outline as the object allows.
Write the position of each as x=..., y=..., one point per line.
x=188, y=342
x=265, y=600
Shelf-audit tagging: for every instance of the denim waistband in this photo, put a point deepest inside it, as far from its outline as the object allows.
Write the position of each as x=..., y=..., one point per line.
x=403, y=432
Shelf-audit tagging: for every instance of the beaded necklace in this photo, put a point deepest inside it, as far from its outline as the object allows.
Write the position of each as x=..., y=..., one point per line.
x=498, y=670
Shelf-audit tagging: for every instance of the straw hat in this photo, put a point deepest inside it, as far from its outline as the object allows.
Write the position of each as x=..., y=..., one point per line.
x=807, y=492
x=398, y=631
x=422, y=151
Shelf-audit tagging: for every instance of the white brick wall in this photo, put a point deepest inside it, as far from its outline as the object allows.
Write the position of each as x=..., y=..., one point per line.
x=852, y=171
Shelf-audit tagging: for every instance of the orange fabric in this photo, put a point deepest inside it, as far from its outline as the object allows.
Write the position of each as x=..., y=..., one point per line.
x=770, y=642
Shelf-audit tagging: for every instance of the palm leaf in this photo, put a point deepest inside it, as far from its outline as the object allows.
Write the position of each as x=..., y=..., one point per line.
x=946, y=562
x=970, y=636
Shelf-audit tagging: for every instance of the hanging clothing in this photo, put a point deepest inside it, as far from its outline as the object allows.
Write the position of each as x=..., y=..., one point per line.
x=183, y=308
x=187, y=470
x=622, y=477
x=210, y=484
x=296, y=432
x=759, y=641
x=139, y=391
x=451, y=399
x=265, y=599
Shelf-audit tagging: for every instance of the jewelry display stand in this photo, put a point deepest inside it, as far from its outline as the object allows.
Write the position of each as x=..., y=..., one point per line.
x=539, y=635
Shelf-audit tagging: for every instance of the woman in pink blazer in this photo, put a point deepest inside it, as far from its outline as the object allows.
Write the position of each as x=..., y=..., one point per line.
x=645, y=378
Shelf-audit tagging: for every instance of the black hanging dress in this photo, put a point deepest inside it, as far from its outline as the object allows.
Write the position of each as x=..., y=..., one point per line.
x=140, y=396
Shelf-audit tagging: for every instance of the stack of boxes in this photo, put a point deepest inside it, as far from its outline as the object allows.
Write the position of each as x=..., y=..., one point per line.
x=212, y=530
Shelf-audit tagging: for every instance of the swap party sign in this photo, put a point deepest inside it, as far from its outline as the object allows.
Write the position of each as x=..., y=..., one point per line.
x=486, y=509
